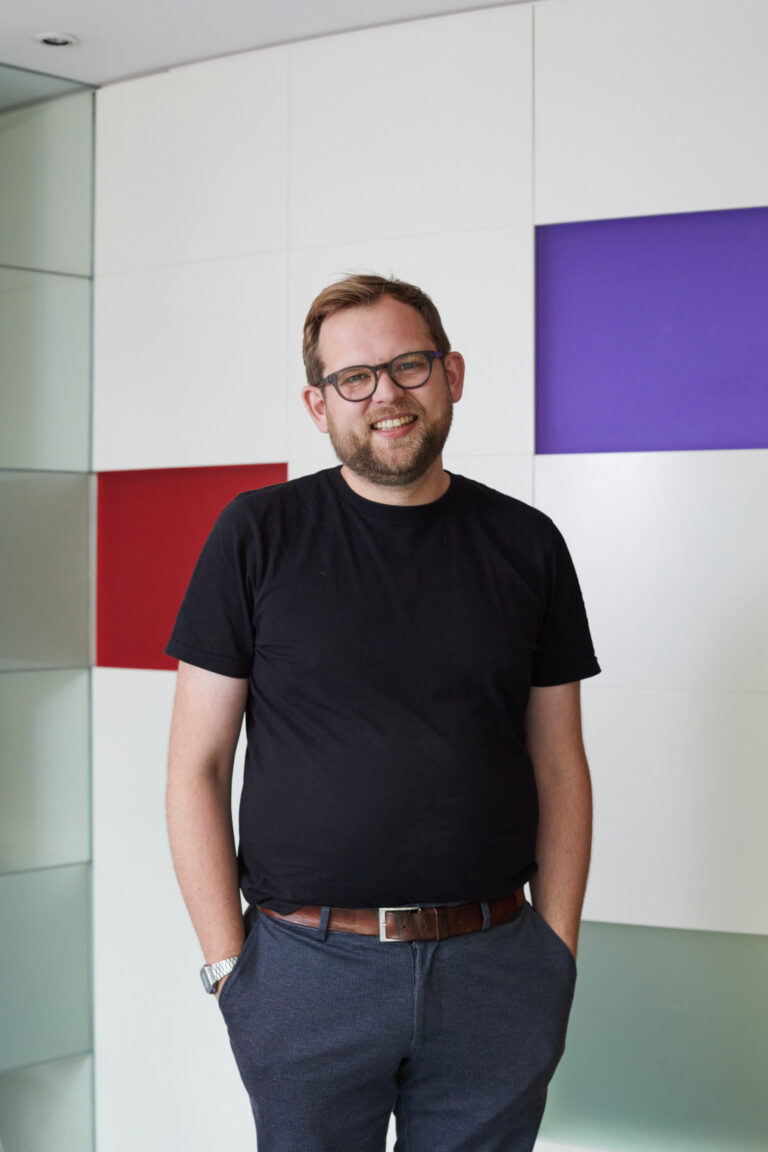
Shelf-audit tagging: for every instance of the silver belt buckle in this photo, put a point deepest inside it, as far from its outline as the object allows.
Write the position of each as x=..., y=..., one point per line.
x=383, y=919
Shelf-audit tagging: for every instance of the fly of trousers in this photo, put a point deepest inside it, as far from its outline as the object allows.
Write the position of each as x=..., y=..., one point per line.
x=332, y=1032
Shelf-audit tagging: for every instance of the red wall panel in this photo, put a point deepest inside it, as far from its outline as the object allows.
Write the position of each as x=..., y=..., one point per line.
x=151, y=527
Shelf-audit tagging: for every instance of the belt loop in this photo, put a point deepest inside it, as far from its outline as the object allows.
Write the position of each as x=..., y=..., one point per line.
x=322, y=927
x=486, y=915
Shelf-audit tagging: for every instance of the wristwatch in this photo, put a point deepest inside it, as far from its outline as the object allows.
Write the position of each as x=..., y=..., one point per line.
x=210, y=974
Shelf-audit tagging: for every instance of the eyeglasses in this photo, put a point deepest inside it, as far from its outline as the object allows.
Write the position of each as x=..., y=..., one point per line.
x=410, y=370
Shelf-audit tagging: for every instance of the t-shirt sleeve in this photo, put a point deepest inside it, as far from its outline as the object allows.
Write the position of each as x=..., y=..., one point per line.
x=214, y=627
x=565, y=651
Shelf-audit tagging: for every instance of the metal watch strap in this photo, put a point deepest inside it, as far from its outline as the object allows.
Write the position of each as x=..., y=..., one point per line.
x=210, y=974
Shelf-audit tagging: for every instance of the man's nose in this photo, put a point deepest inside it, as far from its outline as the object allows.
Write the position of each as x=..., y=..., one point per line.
x=386, y=389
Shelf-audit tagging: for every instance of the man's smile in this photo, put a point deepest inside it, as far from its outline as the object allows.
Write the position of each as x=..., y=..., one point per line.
x=388, y=424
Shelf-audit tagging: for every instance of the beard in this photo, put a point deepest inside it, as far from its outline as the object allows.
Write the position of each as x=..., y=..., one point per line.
x=393, y=463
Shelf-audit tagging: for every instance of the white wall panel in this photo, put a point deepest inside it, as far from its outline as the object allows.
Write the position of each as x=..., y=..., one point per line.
x=482, y=284
x=672, y=553
x=191, y=163
x=163, y=1063
x=297, y=468
x=413, y=128
x=650, y=107
x=681, y=794
x=189, y=365
x=510, y=474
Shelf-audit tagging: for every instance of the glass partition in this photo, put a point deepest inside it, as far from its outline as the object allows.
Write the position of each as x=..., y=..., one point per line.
x=48, y=1107
x=19, y=86
x=46, y=187
x=46, y=192
x=668, y=1043
x=45, y=961
x=45, y=356
x=44, y=793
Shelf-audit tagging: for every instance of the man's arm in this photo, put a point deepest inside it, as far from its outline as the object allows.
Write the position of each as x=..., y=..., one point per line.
x=565, y=807
x=207, y=715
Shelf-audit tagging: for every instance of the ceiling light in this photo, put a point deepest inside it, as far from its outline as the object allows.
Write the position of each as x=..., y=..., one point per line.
x=57, y=39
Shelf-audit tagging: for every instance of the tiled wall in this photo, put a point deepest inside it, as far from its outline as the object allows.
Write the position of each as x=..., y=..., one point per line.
x=584, y=184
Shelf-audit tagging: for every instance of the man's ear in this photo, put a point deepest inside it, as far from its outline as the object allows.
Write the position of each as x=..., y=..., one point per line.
x=314, y=400
x=454, y=374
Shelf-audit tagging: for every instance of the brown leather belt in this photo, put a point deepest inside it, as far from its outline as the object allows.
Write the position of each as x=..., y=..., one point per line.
x=409, y=922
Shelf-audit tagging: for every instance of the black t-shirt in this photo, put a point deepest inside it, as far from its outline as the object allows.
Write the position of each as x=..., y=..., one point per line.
x=390, y=653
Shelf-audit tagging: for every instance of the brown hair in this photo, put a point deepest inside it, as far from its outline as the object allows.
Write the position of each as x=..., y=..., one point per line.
x=358, y=291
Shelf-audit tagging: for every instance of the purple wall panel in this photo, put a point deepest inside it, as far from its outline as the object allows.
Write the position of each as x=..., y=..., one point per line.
x=652, y=333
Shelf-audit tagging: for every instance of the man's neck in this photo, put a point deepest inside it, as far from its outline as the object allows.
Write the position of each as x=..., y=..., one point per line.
x=428, y=488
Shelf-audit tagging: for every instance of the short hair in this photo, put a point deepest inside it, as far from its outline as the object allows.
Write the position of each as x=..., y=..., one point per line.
x=363, y=291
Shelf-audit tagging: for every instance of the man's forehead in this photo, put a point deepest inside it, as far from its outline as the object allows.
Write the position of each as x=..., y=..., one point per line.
x=378, y=331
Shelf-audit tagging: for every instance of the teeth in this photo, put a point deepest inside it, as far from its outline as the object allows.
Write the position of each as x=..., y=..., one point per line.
x=386, y=425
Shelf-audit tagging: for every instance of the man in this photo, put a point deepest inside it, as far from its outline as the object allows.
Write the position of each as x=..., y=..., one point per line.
x=407, y=648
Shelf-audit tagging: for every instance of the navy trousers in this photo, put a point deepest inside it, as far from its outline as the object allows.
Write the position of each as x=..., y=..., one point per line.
x=333, y=1032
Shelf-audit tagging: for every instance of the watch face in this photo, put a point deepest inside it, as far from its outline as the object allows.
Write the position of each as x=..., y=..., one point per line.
x=208, y=984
